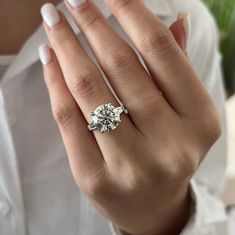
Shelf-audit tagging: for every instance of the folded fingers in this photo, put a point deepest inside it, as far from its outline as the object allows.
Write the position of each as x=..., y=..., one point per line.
x=166, y=62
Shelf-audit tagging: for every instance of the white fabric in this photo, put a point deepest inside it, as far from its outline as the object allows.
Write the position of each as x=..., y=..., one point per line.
x=228, y=193
x=37, y=191
x=5, y=61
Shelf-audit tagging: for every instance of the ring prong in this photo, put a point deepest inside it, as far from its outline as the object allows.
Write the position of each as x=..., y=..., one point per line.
x=103, y=120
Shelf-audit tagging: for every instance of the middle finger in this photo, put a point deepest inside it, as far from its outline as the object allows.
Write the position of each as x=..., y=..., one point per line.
x=121, y=65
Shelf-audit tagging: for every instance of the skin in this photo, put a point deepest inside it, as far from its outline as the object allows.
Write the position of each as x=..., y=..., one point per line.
x=23, y=10
x=138, y=175
x=15, y=37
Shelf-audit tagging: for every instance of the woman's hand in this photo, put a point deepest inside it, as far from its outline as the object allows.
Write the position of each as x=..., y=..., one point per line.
x=137, y=175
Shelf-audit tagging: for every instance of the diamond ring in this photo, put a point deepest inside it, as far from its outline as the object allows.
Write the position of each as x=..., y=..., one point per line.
x=106, y=118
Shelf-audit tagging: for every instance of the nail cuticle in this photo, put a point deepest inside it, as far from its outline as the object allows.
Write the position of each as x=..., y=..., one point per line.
x=76, y=3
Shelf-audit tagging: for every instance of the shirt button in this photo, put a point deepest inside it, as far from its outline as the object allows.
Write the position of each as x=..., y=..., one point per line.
x=4, y=208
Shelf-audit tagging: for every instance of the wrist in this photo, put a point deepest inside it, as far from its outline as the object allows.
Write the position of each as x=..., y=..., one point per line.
x=171, y=217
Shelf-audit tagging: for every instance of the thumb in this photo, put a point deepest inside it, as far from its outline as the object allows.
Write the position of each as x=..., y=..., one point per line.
x=181, y=29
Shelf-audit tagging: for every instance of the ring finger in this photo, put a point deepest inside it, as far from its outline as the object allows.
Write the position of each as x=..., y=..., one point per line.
x=82, y=76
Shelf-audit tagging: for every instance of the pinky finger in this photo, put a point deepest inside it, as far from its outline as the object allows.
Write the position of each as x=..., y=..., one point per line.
x=181, y=30
x=83, y=151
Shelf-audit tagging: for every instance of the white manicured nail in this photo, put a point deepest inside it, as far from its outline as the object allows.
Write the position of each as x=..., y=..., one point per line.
x=44, y=54
x=50, y=15
x=76, y=3
x=187, y=25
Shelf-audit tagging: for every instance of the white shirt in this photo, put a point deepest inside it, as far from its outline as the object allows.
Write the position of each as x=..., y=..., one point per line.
x=37, y=192
x=5, y=62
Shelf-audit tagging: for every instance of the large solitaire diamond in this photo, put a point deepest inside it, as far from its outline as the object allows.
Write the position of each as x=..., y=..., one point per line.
x=106, y=118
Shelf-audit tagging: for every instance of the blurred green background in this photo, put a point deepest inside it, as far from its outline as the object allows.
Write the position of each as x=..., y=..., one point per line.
x=224, y=12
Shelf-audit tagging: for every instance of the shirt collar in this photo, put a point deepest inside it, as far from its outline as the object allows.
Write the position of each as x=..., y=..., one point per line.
x=28, y=55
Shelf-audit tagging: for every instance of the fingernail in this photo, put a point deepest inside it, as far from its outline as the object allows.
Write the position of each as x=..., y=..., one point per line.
x=50, y=15
x=44, y=54
x=76, y=3
x=187, y=25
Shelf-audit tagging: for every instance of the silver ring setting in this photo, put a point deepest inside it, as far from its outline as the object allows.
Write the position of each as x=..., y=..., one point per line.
x=106, y=118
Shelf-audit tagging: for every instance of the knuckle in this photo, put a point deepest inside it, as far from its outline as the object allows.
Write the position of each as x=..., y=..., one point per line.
x=159, y=41
x=62, y=114
x=188, y=163
x=91, y=21
x=183, y=165
x=212, y=127
x=59, y=37
x=155, y=107
x=51, y=78
x=84, y=84
x=138, y=179
x=96, y=188
x=123, y=59
x=93, y=188
x=120, y=3
x=59, y=42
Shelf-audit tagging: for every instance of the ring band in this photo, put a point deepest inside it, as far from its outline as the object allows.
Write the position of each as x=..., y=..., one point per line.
x=106, y=117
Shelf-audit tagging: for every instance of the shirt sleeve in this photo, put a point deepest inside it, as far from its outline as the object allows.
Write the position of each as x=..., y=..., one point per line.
x=208, y=216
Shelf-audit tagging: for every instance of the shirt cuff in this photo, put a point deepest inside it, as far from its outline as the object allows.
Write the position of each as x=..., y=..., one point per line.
x=207, y=214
